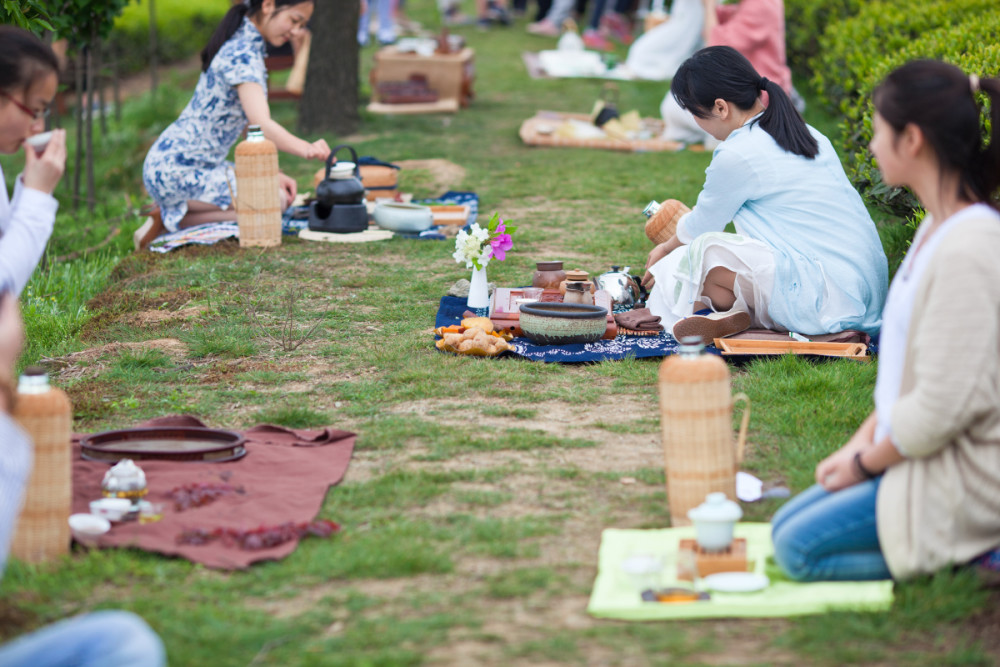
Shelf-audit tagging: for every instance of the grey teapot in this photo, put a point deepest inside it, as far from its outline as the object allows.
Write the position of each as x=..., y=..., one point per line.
x=623, y=289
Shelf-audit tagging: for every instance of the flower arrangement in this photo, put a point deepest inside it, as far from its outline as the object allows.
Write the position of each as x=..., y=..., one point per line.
x=476, y=247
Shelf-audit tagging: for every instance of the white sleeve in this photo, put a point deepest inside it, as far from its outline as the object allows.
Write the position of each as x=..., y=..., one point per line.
x=15, y=468
x=729, y=183
x=31, y=218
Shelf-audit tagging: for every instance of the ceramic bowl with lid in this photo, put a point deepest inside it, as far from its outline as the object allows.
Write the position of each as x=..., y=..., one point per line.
x=554, y=323
x=714, y=520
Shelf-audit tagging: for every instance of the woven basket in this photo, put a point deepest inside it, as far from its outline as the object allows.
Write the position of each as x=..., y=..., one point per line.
x=663, y=224
x=42, y=531
x=258, y=203
x=696, y=419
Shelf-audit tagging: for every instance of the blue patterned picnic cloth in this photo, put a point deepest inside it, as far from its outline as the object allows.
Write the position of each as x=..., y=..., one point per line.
x=621, y=347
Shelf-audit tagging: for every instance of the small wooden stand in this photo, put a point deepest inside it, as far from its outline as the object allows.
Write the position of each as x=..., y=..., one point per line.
x=733, y=559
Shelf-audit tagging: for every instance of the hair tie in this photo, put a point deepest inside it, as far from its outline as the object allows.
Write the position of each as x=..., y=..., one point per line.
x=762, y=84
x=974, y=83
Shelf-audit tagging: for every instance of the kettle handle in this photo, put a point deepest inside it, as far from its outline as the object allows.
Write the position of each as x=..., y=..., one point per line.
x=333, y=154
x=741, y=441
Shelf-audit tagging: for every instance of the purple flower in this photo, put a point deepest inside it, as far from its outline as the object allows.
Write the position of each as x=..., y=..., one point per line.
x=501, y=243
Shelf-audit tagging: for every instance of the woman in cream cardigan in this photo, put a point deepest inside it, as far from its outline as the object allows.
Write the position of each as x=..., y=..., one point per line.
x=917, y=487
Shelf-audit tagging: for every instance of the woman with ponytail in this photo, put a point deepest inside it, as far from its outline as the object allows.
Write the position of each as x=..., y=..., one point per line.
x=186, y=172
x=806, y=256
x=917, y=487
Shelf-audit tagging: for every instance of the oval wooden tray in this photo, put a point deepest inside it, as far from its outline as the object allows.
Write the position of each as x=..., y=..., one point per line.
x=178, y=443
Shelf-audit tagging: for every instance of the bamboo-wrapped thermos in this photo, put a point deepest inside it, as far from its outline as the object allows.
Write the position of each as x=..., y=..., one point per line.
x=696, y=407
x=663, y=218
x=46, y=415
x=258, y=202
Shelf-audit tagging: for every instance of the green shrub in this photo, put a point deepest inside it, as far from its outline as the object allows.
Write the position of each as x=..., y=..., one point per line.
x=183, y=29
x=859, y=52
x=806, y=21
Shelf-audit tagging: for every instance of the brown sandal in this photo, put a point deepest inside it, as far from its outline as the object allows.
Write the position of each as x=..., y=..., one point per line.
x=152, y=228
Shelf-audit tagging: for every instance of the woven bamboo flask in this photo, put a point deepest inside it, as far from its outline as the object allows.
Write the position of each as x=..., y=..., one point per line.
x=45, y=413
x=696, y=407
x=258, y=202
x=663, y=218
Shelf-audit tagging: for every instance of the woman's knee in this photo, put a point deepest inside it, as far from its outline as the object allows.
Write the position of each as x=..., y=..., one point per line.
x=790, y=554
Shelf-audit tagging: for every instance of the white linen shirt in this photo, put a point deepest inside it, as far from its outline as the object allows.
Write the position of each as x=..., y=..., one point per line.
x=899, y=308
x=831, y=273
x=25, y=226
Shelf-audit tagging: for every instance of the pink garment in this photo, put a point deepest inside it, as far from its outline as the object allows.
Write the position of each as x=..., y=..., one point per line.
x=756, y=28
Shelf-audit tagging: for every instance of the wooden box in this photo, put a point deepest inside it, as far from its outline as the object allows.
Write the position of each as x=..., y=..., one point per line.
x=505, y=314
x=450, y=74
x=733, y=559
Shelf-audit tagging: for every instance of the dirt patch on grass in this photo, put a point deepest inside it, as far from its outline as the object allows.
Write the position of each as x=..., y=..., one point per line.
x=95, y=359
x=445, y=175
x=145, y=318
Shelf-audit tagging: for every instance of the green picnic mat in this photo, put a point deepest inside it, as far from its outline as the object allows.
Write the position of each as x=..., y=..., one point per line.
x=615, y=595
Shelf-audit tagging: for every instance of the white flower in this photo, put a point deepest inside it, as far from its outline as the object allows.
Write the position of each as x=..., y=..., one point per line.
x=469, y=248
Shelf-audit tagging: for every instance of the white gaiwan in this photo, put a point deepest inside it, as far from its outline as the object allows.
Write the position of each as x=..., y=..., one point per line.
x=714, y=520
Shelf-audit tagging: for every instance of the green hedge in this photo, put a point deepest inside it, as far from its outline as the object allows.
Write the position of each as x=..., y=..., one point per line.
x=183, y=29
x=805, y=21
x=857, y=53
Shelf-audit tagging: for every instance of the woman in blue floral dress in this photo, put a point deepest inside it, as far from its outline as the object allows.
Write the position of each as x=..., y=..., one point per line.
x=186, y=171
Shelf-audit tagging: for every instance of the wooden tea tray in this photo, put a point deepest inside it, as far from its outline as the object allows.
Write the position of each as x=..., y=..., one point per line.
x=505, y=314
x=450, y=214
x=733, y=559
x=743, y=346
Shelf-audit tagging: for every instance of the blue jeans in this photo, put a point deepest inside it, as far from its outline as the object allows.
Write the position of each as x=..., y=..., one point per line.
x=105, y=638
x=823, y=536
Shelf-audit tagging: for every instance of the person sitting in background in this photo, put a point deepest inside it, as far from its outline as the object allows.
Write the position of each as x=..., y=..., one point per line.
x=806, y=256
x=917, y=487
x=28, y=79
x=658, y=53
x=185, y=171
x=755, y=28
x=101, y=639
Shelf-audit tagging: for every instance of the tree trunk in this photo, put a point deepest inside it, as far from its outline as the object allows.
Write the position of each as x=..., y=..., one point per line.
x=330, y=99
x=99, y=82
x=90, y=121
x=78, y=171
x=153, y=60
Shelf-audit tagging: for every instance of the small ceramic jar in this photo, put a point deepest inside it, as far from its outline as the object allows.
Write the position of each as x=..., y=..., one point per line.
x=548, y=275
x=714, y=520
x=577, y=292
x=577, y=276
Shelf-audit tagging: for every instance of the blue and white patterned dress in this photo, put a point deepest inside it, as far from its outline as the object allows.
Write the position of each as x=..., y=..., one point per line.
x=188, y=161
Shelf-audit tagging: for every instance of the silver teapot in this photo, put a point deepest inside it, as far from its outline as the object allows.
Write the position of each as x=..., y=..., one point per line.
x=125, y=480
x=623, y=289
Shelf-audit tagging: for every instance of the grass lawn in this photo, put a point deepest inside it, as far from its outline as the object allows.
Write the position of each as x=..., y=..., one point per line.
x=475, y=501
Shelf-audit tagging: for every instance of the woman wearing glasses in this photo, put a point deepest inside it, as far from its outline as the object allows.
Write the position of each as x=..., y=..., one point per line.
x=27, y=86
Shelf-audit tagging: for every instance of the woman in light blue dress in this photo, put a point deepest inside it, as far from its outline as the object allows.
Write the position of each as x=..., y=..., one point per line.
x=806, y=256
x=186, y=171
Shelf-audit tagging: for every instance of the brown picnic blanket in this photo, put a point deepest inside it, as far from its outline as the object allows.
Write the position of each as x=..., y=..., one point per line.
x=284, y=477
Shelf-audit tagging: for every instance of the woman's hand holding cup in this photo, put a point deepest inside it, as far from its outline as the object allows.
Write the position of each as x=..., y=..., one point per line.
x=42, y=171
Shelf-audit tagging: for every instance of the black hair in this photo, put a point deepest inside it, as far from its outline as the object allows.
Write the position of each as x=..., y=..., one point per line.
x=940, y=99
x=722, y=72
x=231, y=23
x=23, y=59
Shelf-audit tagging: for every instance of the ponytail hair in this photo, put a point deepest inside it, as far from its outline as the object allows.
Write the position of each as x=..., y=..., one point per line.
x=722, y=72
x=23, y=59
x=227, y=28
x=940, y=99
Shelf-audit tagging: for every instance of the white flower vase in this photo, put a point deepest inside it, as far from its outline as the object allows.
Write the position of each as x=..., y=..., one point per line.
x=479, y=293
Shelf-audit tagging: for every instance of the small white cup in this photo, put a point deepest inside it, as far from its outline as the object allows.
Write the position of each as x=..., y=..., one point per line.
x=39, y=141
x=87, y=528
x=112, y=509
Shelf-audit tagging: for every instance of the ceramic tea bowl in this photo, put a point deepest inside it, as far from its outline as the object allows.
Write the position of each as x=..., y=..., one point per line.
x=563, y=323
x=402, y=217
